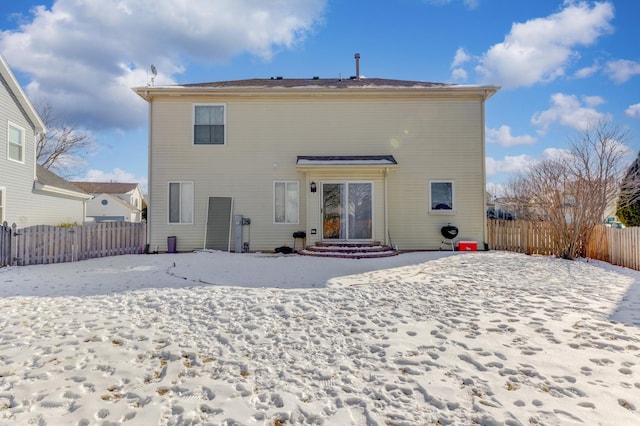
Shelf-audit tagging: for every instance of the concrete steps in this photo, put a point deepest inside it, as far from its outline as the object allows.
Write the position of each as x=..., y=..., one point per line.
x=349, y=250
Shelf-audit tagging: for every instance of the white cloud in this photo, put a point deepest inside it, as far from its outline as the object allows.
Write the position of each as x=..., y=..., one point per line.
x=508, y=165
x=594, y=100
x=459, y=74
x=567, y=110
x=556, y=153
x=515, y=165
x=503, y=137
x=539, y=50
x=633, y=111
x=587, y=71
x=460, y=58
x=83, y=56
x=471, y=4
x=116, y=175
x=622, y=70
x=563, y=153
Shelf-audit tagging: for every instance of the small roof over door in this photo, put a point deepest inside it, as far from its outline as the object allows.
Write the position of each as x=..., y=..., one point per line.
x=364, y=161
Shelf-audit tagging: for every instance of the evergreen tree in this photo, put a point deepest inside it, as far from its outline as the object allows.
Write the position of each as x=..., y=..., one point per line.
x=628, y=208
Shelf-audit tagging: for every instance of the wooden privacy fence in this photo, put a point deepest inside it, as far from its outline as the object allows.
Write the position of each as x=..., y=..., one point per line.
x=614, y=245
x=520, y=236
x=42, y=244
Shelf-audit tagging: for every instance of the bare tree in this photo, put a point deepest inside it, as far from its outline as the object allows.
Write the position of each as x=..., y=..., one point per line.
x=573, y=190
x=63, y=146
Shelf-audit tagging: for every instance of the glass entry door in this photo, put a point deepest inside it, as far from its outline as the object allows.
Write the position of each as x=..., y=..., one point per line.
x=346, y=211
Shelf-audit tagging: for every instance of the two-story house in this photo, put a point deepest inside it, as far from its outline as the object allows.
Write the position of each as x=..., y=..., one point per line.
x=349, y=160
x=29, y=194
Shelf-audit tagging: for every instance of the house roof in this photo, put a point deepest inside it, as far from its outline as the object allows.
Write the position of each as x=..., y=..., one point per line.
x=283, y=86
x=23, y=102
x=335, y=83
x=49, y=182
x=106, y=187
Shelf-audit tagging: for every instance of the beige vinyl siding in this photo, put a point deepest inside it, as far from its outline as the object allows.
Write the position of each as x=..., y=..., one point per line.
x=432, y=138
x=453, y=132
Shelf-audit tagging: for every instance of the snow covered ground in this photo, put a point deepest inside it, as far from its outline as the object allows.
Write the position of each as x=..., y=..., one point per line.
x=418, y=339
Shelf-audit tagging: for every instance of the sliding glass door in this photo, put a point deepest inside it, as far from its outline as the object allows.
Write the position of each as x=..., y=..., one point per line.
x=346, y=211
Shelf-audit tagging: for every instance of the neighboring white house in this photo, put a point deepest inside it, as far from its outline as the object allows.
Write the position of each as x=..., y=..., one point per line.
x=353, y=160
x=113, y=201
x=29, y=194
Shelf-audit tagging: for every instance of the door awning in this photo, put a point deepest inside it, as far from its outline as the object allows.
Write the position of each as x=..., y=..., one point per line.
x=350, y=161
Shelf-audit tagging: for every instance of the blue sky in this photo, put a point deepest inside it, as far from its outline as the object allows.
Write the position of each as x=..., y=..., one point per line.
x=561, y=64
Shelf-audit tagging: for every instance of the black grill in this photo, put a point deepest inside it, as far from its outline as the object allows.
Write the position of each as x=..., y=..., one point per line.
x=449, y=232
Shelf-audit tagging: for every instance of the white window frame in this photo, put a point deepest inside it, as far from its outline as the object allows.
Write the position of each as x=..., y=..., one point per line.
x=9, y=143
x=224, y=123
x=433, y=210
x=3, y=200
x=297, y=207
x=181, y=220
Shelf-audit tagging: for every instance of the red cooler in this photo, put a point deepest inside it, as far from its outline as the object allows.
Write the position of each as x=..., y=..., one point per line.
x=467, y=246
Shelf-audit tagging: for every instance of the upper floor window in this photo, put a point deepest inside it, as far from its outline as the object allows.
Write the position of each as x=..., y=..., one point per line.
x=441, y=196
x=285, y=202
x=16, y=143
x=209, y=124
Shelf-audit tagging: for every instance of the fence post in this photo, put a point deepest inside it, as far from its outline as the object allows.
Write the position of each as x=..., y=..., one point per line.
x=14, y=245
x=5, y=244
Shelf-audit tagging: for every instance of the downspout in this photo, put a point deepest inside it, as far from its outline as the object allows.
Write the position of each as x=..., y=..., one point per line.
x=484, y=170
x=149, y=178
x=386, y=209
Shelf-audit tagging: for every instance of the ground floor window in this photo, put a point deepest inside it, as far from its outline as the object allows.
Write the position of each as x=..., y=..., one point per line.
x=181, y=202
x=286, y=202
x=441, y=196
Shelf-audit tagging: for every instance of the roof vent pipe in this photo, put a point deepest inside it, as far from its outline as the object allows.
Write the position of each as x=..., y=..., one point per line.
x=357, y=66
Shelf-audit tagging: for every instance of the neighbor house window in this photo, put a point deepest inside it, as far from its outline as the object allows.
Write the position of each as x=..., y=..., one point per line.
x=209, y=125
x=181, y=202
x=286, y=202
x=16, y=143
x=441, y=196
